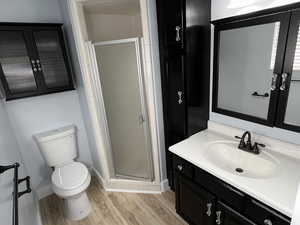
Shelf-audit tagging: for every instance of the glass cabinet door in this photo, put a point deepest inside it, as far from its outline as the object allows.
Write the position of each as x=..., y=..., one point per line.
x=247, y=65
x=289, y=103
x=51, y=59
x=16, y=67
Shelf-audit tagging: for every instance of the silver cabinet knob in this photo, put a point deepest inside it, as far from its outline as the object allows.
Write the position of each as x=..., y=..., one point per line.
x=267, y=222
x=218, y=220
x=284, y=81
x=39, y=66
x=180, y=167
x=274, y=80
x=177, y=38
x=208, y=212
x=180, y=101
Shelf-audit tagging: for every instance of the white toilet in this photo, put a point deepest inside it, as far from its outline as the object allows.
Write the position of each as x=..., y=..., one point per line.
x=69, y=179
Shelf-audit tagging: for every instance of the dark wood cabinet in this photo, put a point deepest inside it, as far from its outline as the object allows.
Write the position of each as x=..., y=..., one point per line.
x=265, y=87
x=33, y=60
x=174, y=23
x=184, y=45
x=227, y=216
x=203, y=199
x=194, y=204
x=174, y=78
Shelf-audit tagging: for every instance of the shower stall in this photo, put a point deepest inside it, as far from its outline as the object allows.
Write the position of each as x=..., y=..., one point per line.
x=119, y=67
x=115, y=48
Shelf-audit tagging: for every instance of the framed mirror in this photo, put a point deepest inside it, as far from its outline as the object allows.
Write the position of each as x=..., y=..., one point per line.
x=248, y=61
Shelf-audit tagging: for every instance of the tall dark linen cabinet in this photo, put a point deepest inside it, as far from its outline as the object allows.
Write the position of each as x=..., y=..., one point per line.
x=184, y=44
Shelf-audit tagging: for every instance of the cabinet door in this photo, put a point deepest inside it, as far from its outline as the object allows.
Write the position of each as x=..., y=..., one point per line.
x=174, y=22
x=16, y=69
x=52, y=59
x=289, y=104
x=176, y=116
x=194, y=204
x=227, y=216
x=248, y=61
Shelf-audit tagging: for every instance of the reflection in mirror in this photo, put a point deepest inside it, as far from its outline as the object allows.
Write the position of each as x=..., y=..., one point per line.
x=293, y=106
x=246, y=62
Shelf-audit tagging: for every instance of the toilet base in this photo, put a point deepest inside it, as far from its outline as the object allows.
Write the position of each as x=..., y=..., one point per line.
x=77, y=207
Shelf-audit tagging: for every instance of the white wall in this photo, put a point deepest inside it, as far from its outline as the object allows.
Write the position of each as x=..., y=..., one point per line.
x=222, y=9
x=31, y=115
x=119, y=26
x=30, y=11
x=9, y=152
x=34, y=115
x=227, y=8
x=83, y=100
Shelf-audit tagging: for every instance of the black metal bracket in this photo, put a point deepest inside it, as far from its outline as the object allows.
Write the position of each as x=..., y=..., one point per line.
x=4, y=168
x=16, y=193
x=28, y=189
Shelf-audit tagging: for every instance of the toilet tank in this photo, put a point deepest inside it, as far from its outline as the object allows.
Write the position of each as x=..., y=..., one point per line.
x=58, y=146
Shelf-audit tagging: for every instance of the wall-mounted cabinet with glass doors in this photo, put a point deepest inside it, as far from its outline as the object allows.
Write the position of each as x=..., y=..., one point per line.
x=257, y=67
x=33, y=60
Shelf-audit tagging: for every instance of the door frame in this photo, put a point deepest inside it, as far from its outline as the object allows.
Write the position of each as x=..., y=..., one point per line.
x=153, y=96
x=97, y=78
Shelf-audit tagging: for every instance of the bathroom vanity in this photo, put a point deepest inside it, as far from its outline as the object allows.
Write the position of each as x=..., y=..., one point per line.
x=215, y=182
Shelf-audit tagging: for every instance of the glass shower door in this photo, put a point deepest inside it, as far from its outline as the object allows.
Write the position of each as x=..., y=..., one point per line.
x=119, y=68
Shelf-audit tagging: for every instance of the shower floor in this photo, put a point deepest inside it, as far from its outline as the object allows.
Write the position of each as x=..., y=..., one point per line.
x=114, y=208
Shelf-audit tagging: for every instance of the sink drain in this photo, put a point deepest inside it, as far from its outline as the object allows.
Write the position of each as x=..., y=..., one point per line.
x=239, y=170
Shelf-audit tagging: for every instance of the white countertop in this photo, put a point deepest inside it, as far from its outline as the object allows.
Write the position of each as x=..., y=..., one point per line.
x=278, y=191
x=296, y=216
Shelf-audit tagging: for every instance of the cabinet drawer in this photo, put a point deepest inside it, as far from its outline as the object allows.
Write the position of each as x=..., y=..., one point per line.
x=225, y=192
x=185, y=168
x=262, y=215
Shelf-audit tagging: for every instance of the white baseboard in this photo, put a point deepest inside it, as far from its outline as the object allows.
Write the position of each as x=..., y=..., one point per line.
x=125, y=185
x=98, y=176
x=38, y=208
x=165, y=185
x=44, y=191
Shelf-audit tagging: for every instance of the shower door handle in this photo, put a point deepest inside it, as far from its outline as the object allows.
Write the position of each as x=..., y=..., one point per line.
x=141, y=119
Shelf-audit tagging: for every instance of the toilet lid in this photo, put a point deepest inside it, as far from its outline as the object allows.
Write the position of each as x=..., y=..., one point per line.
x=70, y=176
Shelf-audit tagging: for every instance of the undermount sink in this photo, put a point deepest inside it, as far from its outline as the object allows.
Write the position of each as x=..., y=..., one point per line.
x=228, y=157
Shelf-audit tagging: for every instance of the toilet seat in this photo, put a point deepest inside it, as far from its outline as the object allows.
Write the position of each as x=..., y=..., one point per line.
x=70, y=179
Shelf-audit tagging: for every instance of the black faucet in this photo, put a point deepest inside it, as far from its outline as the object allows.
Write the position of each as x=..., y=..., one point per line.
x=247, y=145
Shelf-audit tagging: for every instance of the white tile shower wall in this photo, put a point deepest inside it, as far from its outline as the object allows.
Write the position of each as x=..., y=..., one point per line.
x=228, y=8
x=9, y=152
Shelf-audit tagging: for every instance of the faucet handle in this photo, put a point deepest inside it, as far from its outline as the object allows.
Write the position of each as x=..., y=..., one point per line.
x=242, y=143
x=255, y=148
x=260, y=144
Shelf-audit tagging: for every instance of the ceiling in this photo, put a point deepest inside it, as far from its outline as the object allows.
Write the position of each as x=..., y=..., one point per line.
x=112, y=6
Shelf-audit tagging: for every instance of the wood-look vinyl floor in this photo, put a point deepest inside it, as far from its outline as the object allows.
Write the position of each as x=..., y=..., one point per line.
x=116, y=208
